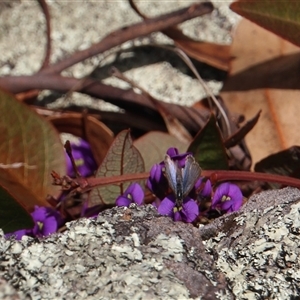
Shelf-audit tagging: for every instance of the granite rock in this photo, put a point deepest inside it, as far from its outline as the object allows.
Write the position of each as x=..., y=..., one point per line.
x=134, y=253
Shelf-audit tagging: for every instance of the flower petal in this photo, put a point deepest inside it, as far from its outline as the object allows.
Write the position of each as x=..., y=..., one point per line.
x=206, y=192
x=172, y=151
x=221, y=190
x=190, y=210
x=39, y=214
x=230, y=191
x=177, y=217
x=136, y=192
x=157, y=182
x=123, y=201
x=166, y=206
x=19, y=234
x=50, y=226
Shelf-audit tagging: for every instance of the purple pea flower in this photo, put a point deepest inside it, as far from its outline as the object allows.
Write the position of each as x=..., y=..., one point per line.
x=47, y=220
x=227, y=197
x=83, y=157
x=157, y=182
x=188, y=212
x=133, y=194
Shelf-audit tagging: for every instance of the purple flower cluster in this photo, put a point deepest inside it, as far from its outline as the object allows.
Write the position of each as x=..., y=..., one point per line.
x=181, y=182
x=227, y=197
x=159, y=185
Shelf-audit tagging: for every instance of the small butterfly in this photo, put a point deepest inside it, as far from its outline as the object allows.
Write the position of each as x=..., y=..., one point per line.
x=181, y=180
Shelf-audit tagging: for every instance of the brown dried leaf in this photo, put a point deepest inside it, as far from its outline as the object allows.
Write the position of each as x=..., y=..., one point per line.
x=30, y=148
x=122, y=158
x=240, y=134
x=89, y=128
x=213, y=54
x=276, y=130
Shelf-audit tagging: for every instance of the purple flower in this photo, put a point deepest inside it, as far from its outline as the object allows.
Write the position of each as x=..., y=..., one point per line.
x=157, y=182
x=83, y=157
x=133, y=194
x=188, y=212
x=47, y=221
x=180, y=158
x=228, y=197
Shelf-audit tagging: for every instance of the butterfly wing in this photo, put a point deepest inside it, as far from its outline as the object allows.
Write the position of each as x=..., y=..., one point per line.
x=171, y=173
x=190, y=174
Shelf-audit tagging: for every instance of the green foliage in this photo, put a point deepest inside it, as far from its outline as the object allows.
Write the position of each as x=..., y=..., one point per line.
x=208, y=147
x=280, y=17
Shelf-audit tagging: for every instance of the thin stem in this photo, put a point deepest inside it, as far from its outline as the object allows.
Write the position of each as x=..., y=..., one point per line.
x=131, y=32
x=221, y=175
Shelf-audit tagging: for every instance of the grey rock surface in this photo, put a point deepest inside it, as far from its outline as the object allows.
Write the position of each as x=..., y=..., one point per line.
x=257, y=248
x=126, y=253
x=134, y=253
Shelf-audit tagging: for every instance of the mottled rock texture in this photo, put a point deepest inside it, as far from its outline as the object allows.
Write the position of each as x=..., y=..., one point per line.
x=257, y=248
x=134, y=253
x=123, y=254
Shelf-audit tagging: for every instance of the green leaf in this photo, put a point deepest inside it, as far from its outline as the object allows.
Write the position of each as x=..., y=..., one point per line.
x=279, y=17
x=13, y=216
x=122, y=158
x=286, y=163
x=154, y=145
x=208, y=147
x=30, y=148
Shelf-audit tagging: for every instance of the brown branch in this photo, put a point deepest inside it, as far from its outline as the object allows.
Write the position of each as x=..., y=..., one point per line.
x=131, y=32
x=45, y=10
x=136, y=9
x=218, y=176
x=126, y=99
x=174, y=126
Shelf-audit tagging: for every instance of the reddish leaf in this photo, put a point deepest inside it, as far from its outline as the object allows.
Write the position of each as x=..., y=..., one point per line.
x=234, y=139
x=282, y=163
x=210, y=53
x=280, y=17
x=264, y=76
x=30, y=149
x=122, y=158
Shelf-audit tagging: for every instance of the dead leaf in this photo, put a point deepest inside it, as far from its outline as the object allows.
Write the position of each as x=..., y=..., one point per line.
x=122, y=158
x=30, y=149
x=277, y=128
x=97, y=134
x=216, y=55
x=240, y=134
